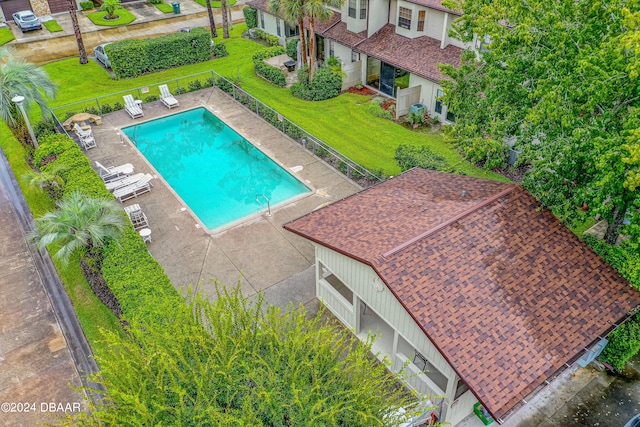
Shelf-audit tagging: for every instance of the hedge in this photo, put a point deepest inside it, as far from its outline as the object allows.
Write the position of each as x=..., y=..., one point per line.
x=270, y=39
x=134, y=277
x=132, y=58
x=269, y=72
x=326, y=84
x=250, y=16
x=624, y=342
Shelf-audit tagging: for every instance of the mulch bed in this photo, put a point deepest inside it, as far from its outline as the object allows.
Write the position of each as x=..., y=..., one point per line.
x=362, y=91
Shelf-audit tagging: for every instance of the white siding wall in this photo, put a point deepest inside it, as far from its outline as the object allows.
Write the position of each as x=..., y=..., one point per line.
x=359, y=278
x=378, y=15
x=434, y=23
x=269, y=23
x=342, y=52
x=428, y=92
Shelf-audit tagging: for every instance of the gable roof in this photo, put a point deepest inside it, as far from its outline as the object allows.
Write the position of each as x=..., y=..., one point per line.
x=507, y=293
x=434, y=4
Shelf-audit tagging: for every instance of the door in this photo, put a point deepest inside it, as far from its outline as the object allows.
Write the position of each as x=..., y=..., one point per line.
x=387, y=79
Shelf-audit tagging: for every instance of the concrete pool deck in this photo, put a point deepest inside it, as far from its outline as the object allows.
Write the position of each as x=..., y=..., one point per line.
x=258, y=253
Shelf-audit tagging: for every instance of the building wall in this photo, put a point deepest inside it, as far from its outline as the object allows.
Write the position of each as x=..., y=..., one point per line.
x=378, y=15
x=361, y=279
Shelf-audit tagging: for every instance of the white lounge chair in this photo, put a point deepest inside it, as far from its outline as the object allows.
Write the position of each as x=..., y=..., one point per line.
x=114, y=172
x=167, y=98
x=123, y=182
x=134, y=190
x=82, y=132
x=137, y=217
x=132, y=107
x=87, y=142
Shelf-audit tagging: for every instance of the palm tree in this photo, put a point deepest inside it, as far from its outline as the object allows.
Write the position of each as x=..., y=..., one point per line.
x=48, y=180
x=225, y=20
x=317, y=9
x=212, y=23
x=292, y=11
x=76, y=30
x=18, y=77
x=80, y=222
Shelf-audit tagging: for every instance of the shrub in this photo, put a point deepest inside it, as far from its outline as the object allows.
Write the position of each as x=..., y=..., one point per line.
x=110, y=6
x=411, y=156
x=271, y=40
x=100, y=18
x=376, y=110
x=156, y=2
x=132, y=58
x=487, y=152
x=326, y=84
x=292, y=48
x=86, y=5
x=250, y=16
x=44, y=128
x=194, y=85
x=224, y=84
x=269, y=72
x=624, y=342
x=106, y=108
x=219, y=50
x=151, y=98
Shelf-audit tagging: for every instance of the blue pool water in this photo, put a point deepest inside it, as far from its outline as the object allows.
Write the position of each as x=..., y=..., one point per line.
x=215, y=171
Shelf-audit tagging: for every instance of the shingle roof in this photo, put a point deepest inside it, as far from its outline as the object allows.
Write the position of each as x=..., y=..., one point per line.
x=419, y=56
x=259, y=4
x=505, y=292
x=339, y=33
x=434, y=4
x=320, y=26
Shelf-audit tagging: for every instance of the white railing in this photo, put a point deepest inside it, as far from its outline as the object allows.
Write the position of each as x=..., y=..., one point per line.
x=339, y=306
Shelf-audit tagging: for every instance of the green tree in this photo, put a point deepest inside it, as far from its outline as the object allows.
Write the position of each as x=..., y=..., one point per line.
x=18, y=77
x=235, y=362
x=293, y=12
x=79, y=223
x=317, y=10
x=48, y=180
x=110, y=6
x=559, y=77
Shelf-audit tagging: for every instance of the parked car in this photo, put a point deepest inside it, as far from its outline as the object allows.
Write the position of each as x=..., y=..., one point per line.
x=101, y=55
x=27, y=21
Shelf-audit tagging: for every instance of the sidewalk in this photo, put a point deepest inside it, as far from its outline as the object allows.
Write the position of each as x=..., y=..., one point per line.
x=40, y=47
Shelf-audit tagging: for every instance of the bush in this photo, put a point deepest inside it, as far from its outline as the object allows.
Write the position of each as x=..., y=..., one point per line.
x=151, y=98
x=86, y=5
x=486, y=152
x=250, y=16
x=269, y=72
x=624, y=342
x=411, y=156
x=271, y=40
x=156, y=2
x=220, y=50
x=375, y=109
x=292, y=48
x=44, y=128
x=224, y=84
x=326, y=84
x=132, y=58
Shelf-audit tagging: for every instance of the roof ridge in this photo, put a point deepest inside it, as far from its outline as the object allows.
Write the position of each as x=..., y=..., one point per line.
x=449, y=221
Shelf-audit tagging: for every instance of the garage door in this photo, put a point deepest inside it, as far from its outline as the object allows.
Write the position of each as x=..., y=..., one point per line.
x=9, y=7
x=58, y=6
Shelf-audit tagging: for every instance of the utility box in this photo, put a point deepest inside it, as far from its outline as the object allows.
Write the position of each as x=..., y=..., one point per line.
x=417, y=108
x=176, y=7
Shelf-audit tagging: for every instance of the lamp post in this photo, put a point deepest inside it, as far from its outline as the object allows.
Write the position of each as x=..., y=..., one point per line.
x=19, y=99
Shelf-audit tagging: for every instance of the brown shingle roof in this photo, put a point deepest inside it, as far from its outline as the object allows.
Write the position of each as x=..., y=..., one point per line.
x=419, y=56
x=504, y=291
x=259, y=4
x=434, y=4
x=340, y=34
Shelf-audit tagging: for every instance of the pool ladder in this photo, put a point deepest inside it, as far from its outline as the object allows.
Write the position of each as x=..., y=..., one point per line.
x=258, y=196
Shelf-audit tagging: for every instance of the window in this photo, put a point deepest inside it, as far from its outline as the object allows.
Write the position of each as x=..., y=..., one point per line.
x=352, y=8
x=404, y=18
x=278, y=27
x=363, y=9
x=290, y=31
x=439, y=94
x=450, y=116
x=461, y=388
x=421, y=20
x=355, y=56
x=332, y=48
x=262, y=20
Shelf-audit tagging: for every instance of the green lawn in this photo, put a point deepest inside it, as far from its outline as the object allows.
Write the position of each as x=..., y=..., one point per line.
x=123, y=17
x=342, y=122
x=6, y=35
x=52, y=26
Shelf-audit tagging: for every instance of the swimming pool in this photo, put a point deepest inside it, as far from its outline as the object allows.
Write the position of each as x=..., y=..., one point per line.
x=213, y=169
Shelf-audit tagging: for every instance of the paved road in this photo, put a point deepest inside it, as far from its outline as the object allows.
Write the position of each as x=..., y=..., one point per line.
x=42, y=348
